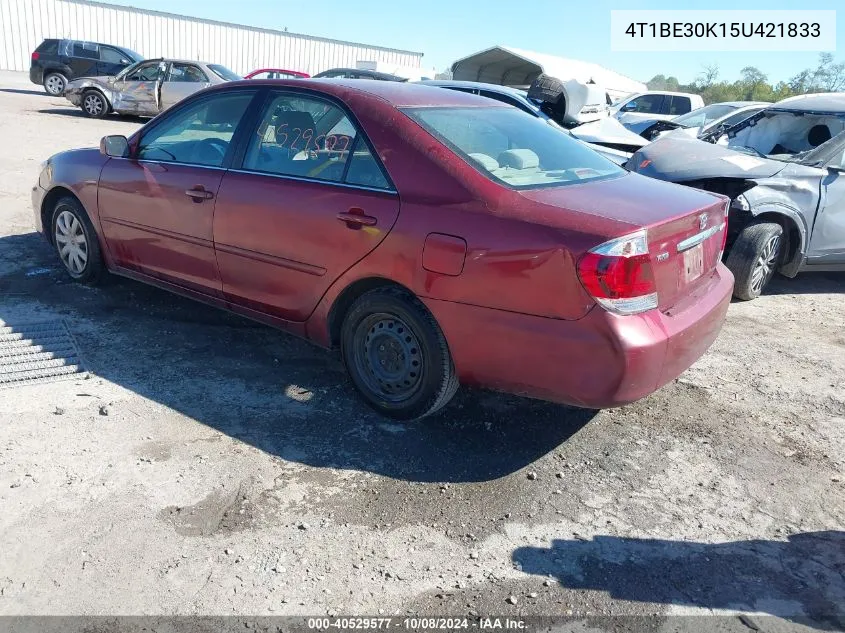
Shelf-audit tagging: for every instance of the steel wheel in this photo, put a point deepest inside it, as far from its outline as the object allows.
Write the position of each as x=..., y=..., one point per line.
x=388, y=357
x=71, y=243
x=93, y=104
x=54, y=84
x=766, y=264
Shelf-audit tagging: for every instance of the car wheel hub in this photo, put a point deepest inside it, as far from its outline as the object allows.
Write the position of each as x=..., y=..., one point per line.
x=71, y=243
x=93, y=104
x=766, y=263
x=55, y=84
x=389, y=357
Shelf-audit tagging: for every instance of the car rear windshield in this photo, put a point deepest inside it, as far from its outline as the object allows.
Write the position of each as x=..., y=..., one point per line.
x=704, y=116
x=135, y=57
x=224, y=73
x=48, y=47
x=514, y=148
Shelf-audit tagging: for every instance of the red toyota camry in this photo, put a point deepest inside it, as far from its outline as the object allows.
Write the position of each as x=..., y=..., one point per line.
x=434, y=237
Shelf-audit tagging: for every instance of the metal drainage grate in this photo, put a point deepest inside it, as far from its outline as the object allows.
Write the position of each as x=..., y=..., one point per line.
x=32, y=353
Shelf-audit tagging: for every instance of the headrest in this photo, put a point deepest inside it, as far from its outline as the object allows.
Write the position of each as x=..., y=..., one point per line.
x=487, y=162
x=818, y=134
x=519, y=159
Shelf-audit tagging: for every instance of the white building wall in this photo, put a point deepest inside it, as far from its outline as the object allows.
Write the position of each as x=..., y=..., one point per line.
x=25, y=23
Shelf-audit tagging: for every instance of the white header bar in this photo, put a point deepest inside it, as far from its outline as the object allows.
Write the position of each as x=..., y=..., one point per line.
x=719, y=30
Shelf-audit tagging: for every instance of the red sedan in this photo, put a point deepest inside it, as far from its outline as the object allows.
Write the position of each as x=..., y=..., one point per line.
x=434, y=237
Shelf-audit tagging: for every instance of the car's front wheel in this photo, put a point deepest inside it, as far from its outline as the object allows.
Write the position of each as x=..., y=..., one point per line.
x=94, y=104
x=55, y=83
x=755, y=257
x=76, y=242
x=396, y=355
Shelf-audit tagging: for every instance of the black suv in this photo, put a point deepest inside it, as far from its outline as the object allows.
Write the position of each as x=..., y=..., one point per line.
x=55, y=62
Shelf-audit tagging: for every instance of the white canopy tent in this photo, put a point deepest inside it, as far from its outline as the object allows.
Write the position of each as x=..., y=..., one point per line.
x=508, y=66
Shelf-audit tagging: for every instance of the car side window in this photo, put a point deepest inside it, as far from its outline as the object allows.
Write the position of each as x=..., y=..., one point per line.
x=679, y=105
x=646, y=104
x=187, y=73
x=147, y=72
x=307, y=137
x=197, y=135
x=112, y=55
x=87, y=50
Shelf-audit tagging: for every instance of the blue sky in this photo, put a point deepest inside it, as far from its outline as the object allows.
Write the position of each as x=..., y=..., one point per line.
x=445, y=30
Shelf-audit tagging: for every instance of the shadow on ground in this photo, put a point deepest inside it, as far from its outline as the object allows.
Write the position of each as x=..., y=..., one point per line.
x=280, y=394
x=801, y=579
x=21, y=91
x=807, y=283
x=72, y=111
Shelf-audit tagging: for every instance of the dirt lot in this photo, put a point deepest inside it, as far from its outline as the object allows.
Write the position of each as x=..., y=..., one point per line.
x=210, y=465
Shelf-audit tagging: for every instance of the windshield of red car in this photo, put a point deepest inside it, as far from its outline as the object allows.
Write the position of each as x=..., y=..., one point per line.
x=514, y=148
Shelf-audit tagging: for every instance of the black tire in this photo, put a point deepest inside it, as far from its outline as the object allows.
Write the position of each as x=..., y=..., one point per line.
x=55, y=84
x=755, y=257
x=94, y=104
x=93, y=271
x=396, y=355
x=550, y=92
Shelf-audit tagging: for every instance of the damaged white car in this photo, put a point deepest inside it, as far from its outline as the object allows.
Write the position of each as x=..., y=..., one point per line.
x=784, y=170
x=145, y=88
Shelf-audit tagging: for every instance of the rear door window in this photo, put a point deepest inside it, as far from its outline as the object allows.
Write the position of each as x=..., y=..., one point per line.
x=86, y=50
x=306, y=137
x=646, y=104
x=187, y=73
x=678, y=105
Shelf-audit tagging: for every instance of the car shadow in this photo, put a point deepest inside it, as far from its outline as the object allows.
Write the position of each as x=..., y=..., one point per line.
x=801, y=579
x=280, y=394
x=22, y=91
x=76, y=112
x=807, y=283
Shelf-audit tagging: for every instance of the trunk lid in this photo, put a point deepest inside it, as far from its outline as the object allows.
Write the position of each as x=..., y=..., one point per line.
x=685, y=227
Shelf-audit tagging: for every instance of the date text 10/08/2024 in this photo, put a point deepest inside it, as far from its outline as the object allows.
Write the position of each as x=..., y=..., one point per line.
x=724, y=29
x=416, y=624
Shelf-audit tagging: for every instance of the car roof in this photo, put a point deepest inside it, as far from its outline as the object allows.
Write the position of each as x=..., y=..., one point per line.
x=451, y=83
x=362, y=71
x=742, y=104
x=666, y=92
x=398, y=94
x=178, y=61
x=833, y=102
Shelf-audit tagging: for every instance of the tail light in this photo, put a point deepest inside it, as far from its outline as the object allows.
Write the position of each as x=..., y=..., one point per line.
x=618, y=275
x=35, y=56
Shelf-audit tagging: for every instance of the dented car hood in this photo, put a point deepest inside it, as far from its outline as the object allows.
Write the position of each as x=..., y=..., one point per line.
x=677, y=157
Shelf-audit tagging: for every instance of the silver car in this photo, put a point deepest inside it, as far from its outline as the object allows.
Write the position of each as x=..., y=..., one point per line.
x=145, y=88
x=784, y=170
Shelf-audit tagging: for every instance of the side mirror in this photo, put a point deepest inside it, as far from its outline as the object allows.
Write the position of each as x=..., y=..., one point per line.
x=630, y=106
x=115, y=146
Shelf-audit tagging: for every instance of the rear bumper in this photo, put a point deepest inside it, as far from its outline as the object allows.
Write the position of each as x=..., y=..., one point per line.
x=36, y=74
x=602, y=360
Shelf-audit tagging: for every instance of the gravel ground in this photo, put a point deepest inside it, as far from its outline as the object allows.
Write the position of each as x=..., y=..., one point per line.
x=210, y=465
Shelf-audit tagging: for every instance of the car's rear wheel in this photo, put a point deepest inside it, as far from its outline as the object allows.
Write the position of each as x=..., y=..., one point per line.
x=55, y=83
x=755, y=257
x=396, y=355
x=76, y=242
x=94, y=104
